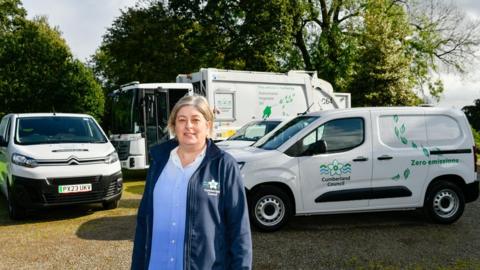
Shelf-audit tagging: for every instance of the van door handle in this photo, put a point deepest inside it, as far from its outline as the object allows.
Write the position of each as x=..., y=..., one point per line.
x=360, y=158
x=384, y=157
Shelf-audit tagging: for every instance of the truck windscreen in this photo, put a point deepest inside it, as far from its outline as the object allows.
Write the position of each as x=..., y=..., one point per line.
x=125, y=113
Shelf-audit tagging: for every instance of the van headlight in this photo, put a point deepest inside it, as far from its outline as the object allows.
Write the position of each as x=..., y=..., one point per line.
x=24, y=161
x=111, y=158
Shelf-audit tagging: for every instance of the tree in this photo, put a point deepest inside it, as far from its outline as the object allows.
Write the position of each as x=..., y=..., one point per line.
x=184, y=36
x=384, y=75
x=38, y=72
x=333, y=37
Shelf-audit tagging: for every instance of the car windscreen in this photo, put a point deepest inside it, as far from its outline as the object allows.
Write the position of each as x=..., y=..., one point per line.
x=254, y=131
x=276, y=138
x=57, y=129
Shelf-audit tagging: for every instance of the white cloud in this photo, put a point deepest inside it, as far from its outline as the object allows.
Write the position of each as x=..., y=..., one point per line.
x=460, y=91
x=82, y=23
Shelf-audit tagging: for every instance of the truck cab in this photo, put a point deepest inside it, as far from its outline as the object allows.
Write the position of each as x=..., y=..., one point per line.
x=140, y=113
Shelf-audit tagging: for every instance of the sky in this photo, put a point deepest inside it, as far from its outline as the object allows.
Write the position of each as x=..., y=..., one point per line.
x=83, y=23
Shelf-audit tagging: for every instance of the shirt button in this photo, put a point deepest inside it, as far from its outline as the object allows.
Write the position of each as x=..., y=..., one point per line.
x=174, y=223
x=173, y=241
x=172, y=259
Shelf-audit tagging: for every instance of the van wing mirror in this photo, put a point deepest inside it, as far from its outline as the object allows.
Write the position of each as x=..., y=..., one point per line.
x=3, y=142
x=318, y=147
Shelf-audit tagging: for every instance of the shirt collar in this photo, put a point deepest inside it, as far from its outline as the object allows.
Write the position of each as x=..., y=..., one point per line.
x=176, y=159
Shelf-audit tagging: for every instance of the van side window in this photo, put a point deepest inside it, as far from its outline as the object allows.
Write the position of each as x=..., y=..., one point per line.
x=402, y=131
x=442, y=130
x=339, y=135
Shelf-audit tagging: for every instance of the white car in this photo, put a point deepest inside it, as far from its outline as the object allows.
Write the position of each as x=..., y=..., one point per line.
x=49, y=159
x=249, y=133
x=365, y=159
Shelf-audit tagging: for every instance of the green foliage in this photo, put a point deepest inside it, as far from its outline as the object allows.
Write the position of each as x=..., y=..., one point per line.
x=384, y=52
x=188, y=35
x=38, y=72
x=383, y=76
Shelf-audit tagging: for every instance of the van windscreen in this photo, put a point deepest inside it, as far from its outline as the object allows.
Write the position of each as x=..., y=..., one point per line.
x=57, y=129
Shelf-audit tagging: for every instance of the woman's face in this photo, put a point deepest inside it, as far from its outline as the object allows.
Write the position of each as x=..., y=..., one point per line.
x=191, y=127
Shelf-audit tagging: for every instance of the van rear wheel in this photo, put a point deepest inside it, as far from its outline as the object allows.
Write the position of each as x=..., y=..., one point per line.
x=270, y=208
x=444, y=203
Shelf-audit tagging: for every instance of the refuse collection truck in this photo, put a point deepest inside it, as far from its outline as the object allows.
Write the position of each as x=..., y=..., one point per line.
x=140, y=110
x=238, y=97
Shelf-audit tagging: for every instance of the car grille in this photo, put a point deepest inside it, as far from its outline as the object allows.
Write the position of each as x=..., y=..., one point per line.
x=123, y=149
x=98, y=192
x=75, y=180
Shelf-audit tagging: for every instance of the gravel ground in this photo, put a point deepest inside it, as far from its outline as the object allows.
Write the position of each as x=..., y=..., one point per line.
x=86, y=237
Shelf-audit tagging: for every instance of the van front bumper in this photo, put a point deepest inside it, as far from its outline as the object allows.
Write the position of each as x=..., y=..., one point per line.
x=39, y=193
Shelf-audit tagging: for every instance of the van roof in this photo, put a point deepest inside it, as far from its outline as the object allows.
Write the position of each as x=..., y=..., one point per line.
x=19, y=115
x=413, y=109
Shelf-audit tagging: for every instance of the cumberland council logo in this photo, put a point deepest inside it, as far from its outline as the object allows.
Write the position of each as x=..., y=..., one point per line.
x=336, y=168
x=211, y=187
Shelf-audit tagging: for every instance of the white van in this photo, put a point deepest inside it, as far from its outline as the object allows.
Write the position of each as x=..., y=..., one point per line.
x=364, y=159
x=49, y=159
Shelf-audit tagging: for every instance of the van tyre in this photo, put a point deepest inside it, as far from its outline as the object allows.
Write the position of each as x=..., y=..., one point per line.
x=110, y=205
x=444, y=203
x=15, y=211
x=270, y=208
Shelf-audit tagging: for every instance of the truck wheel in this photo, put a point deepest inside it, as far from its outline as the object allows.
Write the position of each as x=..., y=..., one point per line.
x=444, y=202
x=110, y=205
x=270, y=208
x=15, y=211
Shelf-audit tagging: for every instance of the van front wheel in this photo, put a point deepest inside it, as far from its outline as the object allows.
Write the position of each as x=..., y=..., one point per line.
x=444, y=202
x=270, y=208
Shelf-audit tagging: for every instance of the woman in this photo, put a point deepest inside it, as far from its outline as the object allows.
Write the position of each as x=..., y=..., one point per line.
x=193, y=214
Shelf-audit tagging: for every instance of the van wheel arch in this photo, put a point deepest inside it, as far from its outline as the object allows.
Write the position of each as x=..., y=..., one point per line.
x=276, y=196
x=452, y=178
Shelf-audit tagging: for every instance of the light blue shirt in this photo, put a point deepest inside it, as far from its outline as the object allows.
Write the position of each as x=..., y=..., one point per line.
x=169, y=212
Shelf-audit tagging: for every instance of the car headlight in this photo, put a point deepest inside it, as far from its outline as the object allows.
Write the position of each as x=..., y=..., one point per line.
x=111, y=158
x=241, y=164
x=25, y=161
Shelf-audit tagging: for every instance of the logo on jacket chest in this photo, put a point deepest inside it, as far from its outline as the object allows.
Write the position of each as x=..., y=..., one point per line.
x=211, y=187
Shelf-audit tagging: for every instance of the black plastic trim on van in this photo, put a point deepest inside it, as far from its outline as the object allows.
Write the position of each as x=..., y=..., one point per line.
x=364, y=194
x=455, y=151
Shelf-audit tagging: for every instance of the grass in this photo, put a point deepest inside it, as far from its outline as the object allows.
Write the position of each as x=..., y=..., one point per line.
x=75, y=237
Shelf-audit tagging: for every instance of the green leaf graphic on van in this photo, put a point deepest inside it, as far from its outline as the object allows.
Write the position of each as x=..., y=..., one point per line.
x=404, y=140
x=414, y=145
x=406, y=173
x=395, y=118
x=397, y=133
x=402, y=129
x=425, y=151
x=396, y=177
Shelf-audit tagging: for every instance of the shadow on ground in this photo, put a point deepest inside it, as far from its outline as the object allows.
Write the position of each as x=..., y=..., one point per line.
x=373, y=221
x=108, y=228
